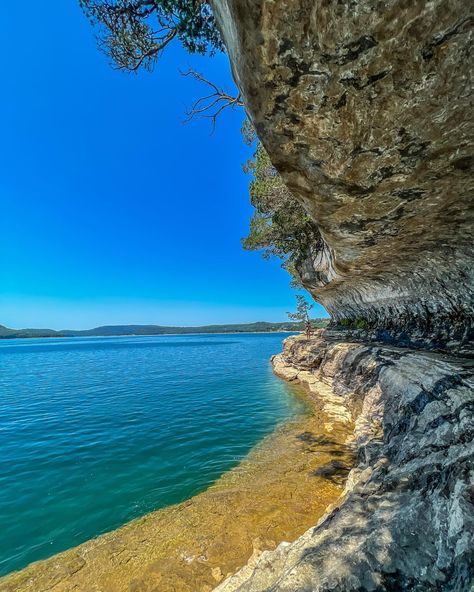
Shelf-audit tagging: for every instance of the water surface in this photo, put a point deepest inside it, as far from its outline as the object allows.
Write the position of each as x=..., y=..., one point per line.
x=97, y=431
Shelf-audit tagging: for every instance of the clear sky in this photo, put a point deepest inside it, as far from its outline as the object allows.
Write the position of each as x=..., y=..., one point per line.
x=112, y=210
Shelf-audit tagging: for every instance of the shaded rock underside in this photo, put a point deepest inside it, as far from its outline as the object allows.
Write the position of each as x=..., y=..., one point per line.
x=365, y=109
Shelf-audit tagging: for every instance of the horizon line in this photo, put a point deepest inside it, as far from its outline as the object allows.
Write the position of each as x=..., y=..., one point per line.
x=162, y=326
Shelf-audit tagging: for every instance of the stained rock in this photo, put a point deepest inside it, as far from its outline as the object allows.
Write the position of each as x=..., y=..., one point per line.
x=365, y=108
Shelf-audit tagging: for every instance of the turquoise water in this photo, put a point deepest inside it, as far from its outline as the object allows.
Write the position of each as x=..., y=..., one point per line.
x=97, y=431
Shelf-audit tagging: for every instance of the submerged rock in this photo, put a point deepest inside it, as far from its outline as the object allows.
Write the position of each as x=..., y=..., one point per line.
x=406, y=519
x=365, y=108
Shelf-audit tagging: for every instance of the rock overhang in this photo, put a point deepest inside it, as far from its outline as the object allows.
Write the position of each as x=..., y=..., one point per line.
x=365, y=109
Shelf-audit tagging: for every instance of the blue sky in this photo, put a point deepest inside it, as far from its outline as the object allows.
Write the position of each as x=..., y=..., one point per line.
x=112, y=210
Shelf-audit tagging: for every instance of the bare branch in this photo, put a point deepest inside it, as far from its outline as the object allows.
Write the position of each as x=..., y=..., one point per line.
x=212, y=105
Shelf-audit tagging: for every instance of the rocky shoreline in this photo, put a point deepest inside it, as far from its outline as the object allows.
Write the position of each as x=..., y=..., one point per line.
x=406, y=518
x=365, y=110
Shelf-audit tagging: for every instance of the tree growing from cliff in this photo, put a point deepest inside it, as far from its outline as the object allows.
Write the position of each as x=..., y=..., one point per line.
x=302, y=314
x=280, y=225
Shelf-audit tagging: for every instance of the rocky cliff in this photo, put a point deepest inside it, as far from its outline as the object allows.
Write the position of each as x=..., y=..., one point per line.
x=365, y=109
x=406, y=520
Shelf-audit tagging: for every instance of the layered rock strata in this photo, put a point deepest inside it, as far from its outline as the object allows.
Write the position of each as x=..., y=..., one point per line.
x=406, y=519
x=365, y=108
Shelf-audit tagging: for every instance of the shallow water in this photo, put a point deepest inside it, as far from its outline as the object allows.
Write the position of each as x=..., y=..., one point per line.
x=279, y=490
x=97, y=431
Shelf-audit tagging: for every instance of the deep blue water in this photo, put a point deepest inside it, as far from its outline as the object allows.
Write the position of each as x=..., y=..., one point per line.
x=97, y=431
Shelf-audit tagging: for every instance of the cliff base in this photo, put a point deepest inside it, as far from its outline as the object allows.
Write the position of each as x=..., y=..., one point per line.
x=406, y=518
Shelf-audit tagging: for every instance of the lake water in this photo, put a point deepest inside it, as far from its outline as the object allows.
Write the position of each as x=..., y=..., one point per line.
x=97, y=431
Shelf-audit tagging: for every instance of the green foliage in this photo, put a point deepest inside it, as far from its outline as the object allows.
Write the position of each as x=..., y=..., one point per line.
x=280, y=225
x=302, y=310
x=135, y=32
x=111, y=330
x=353, y=323
x=248, y=132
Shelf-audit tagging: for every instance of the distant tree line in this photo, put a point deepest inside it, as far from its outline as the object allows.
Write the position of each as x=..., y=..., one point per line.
x=117, y=330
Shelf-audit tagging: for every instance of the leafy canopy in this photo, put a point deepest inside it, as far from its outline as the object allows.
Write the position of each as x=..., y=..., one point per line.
x=134, y=33
x=302, y=310
x=280, y=225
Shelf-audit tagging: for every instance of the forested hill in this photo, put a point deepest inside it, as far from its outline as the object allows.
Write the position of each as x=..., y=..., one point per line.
x=6, y=333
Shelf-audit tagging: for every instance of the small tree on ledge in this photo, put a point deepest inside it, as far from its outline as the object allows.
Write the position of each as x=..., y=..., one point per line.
x=302, y=314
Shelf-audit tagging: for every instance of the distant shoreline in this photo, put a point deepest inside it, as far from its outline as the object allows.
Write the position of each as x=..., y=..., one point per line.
x=148, y=334
x=158, y=330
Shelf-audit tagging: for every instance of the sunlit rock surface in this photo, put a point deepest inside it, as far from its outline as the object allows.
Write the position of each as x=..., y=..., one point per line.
x=406, y=520
x=365, y=109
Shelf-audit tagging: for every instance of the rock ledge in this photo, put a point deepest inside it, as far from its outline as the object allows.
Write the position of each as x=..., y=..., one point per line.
x=406, y=519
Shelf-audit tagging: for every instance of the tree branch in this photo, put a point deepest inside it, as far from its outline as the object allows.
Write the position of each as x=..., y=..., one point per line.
x=153, y=50
x=212, y=105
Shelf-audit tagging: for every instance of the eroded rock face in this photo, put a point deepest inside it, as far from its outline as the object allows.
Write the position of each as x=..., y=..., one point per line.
x=364, y=108
x=406, y=521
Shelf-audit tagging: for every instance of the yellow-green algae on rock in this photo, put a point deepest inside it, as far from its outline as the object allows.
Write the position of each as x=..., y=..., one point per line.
x=283, y=487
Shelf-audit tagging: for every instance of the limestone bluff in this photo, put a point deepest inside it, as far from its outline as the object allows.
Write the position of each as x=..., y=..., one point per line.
x=406, y=519
x=365, y=109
